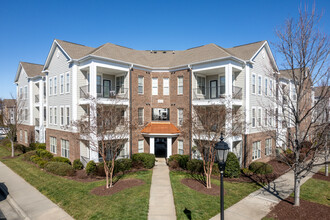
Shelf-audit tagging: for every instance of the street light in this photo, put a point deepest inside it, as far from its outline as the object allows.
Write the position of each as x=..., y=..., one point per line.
x=221, y=156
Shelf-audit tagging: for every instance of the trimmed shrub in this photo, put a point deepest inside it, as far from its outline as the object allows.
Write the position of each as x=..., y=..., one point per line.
x=99, y=169
x=232, y=166
x=40, y=146
x=77, y=165
x=180, y=159
x=42, y=163
x=33, y=146
x=21, y=148
x=246, y=171
x=61, y=159
x=45, y=155
x=59, y=168
x=28, y=155
x=91, y=168
x=123, y=165
x=215, y=169
x=261, y=168
x=173, y=164
x=38, y=160
x=148, y=160
x=195, y=166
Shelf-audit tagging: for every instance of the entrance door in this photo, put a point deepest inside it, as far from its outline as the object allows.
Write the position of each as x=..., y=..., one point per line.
x=106, y=88
x=213, y=89
x=161, y=147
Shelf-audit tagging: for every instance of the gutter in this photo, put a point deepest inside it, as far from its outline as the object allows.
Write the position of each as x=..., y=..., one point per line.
x=190, y=109
x=130, y=109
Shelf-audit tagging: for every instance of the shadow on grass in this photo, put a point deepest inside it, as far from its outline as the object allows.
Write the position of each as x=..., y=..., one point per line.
x=187, y=212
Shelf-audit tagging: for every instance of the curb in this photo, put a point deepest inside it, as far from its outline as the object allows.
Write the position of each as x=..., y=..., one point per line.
x=13, y=203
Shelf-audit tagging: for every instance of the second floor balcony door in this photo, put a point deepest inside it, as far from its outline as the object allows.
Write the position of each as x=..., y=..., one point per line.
x=213, y=89
x=106, y=88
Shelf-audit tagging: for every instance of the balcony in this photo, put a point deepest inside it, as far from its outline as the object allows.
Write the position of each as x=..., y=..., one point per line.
x=204, y=93
x=36, y=99
x=118, y=93
x=37, y=122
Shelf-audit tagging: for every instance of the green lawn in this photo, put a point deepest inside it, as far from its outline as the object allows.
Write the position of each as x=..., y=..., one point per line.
x=315, y=190
x=202, y=206
x=75, y=197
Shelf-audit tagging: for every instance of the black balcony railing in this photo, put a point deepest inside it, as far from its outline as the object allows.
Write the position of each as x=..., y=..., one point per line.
x=202, y=92
x=105, y=92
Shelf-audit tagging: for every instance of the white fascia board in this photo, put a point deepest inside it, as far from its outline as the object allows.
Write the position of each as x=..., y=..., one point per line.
x=160, y=135
x=51, y=52
x=269, y=52
x=18, y=72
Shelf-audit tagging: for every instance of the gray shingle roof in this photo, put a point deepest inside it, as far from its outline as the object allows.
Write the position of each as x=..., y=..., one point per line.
x=159, y=59
x=32, y=69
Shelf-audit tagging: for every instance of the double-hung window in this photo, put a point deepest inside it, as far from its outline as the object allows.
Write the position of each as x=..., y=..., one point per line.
x=26, y=136
x=67, y=115
x=253, y=84
x=200, y=85
x=50, y=86
x=25, y=92
x=140, y=116
x=61, y=83
x=270, y=87
x=140, y=85
x=266, y=86
x=154, y=86
x=166, y=86
x=268, y=147
x=180, y=147
x=259, y=117
x=20, y=95
x=55, y=115
x=266, y=112
x=55, y=85
x=256, y=150
x=65, y=148
x=120, y=85
x=259, y=85
x=50, y=115
x=67, y=80
x=53, y=145
x=26, y=114
x=253, y=117
x=141, y=146
x=62, y=115
x=98, y=84
x=180, y=116
x=180, y=85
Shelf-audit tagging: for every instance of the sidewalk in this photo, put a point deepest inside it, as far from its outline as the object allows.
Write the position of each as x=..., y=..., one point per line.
x=161, y=202
x=23, y=201
x=259, y=203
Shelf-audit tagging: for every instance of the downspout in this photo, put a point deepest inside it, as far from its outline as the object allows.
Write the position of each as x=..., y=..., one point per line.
x=130, y=109
x=190, y=112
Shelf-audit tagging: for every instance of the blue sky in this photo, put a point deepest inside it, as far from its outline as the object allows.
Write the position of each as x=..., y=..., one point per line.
x=27, y=28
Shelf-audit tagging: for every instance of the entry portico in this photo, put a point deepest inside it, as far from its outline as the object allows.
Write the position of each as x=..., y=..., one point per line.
x=161, y=135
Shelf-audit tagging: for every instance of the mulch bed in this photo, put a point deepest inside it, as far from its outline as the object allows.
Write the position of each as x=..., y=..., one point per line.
x=81, y=176
x=307, y=210
x=9, y=157
x=279, y=168
x=321, y=176
x=117, y=187
x=200, y=187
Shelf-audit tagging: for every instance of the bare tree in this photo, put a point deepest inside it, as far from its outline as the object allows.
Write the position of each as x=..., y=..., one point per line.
x=12, y=118
x=206, y=125
x=107, y=130
x=299, y=135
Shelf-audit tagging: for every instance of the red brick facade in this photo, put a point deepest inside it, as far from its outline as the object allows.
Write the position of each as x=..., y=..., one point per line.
x=21, y=137
x=73, y=139
x=147, y=101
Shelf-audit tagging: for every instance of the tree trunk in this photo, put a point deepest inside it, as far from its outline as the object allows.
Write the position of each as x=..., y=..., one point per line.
x=326, y=158
x=106, y=174
x=12, y=148
x=326, y=170
x=296, y=191
x=111, y=171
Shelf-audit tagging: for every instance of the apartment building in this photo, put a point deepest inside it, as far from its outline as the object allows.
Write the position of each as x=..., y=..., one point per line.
x=157, y=88
x=7, y=111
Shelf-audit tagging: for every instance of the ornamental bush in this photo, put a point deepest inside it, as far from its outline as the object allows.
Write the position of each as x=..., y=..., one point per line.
x=29, y=154
x=123, y=165
x=41, y=146
x=77, y=165
x=45, y=155
x=38, y=160
x=232, y=166
x=59, y=168
x=62, y=160
x=91, y=168
x=195, y=166
x=148, y=160
x=180, y=159
x=261, y=168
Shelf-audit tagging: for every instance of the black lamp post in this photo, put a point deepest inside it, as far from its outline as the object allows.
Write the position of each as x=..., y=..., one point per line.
x=222, y=150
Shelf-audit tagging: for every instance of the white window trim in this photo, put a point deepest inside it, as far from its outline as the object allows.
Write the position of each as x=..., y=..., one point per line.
x=152, y=86
x=255, y=153
x=178, y=122
x=139, y=141
x=26, y=92
x=50, y=140
x=63, y=140
x=266, y=87
x=271, y=87
x=55, y=85
x=259, y=122
x=255, y=83
x=167, y=87
x=255, y=117
x=201, y=76
x=180, y=141
x=50, y=115
x=142, y=85
x=26, y=136
x=269, y=147
x=259, y=76
x=66, y=115
x=67, y=87
x=179, y=77
x=50, y=91
x=62, y=92
x=62, y=107
x=142, y=116
x=55, y=115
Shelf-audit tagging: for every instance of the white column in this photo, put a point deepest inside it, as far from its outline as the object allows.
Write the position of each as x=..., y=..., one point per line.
x=229, y=80
x=247, y=97
x=30, y=102
x=74, y=76
x=169, y=146
x=152, y=145
x=92, y=80
x=41, y=111
x=229, y=105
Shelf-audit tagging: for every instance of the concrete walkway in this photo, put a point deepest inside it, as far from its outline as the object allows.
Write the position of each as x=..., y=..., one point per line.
x=259, y=203
x=161, y=202
x=20, y=200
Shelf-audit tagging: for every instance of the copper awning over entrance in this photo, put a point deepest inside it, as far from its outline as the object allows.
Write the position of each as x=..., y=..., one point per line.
x=154, y=128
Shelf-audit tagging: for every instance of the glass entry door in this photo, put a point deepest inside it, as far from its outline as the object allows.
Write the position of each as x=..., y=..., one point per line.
x=213, y=89
x=106, y=88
